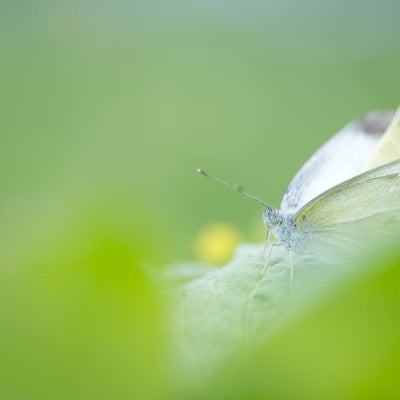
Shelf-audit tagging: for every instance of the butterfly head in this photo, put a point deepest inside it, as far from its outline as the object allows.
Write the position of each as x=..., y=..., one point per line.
x=280, y=225
x=272, y=218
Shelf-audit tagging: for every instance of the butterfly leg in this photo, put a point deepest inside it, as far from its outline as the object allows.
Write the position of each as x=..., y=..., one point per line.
x=266, y=259
x=266, y=254
x=266, y=245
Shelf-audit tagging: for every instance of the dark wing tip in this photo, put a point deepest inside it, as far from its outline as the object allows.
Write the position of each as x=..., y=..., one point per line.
x=375, y=122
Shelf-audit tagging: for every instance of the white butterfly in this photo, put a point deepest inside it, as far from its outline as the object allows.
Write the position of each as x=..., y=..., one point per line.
x=331, y=200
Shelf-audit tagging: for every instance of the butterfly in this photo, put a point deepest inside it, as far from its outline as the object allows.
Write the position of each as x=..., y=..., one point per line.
x=333, y=199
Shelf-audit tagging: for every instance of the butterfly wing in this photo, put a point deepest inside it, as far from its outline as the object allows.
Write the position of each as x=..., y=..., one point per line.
x=344, y=156
x=367, y=205
x=388, y=148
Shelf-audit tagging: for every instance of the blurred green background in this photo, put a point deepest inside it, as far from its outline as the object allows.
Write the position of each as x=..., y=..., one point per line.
x=124, y=100
x=106, y=111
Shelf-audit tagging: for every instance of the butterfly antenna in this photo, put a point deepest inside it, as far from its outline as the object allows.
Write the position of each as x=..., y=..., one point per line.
x=236, y=187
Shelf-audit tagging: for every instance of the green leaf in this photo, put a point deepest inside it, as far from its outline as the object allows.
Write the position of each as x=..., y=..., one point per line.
x=344, y=345
x=230, y=310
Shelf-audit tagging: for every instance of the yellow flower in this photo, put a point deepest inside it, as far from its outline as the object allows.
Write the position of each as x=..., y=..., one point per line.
x=216, y=242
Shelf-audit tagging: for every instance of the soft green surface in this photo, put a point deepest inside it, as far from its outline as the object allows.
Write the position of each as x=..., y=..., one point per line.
x=333, y=333
x=340, y=343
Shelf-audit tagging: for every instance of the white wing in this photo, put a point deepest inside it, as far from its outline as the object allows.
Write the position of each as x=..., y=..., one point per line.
x=344, y=156
x=367, y=206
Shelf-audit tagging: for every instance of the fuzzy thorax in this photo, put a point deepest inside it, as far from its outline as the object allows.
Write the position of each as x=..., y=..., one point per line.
x=281, y=226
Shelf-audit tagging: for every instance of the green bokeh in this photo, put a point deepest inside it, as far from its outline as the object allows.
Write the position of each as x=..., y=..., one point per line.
x=128, y=99
x=78, y=316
